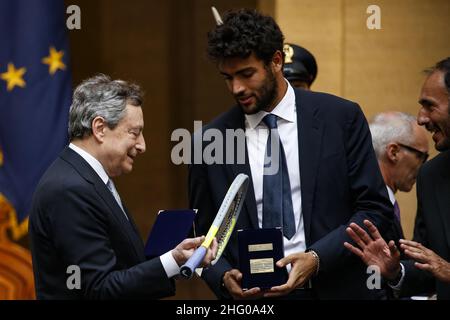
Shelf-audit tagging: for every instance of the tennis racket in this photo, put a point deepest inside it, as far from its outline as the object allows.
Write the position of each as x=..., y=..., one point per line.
x=222, y=226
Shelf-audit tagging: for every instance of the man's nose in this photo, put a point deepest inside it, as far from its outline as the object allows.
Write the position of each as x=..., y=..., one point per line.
x=237, y=87
x=422, y=117
x=140, y=145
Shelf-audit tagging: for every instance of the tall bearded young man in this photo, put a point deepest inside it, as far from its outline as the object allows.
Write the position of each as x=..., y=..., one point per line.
x=328, y=174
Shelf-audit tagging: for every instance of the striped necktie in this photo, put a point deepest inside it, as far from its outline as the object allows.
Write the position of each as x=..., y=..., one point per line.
x=110, y=185
x=277, y=198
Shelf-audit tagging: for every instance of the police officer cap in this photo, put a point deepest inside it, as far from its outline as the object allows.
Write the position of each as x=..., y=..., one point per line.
x=299, y=64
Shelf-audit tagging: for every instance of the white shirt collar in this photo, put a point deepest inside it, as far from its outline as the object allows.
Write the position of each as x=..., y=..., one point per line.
x=391, y=194
x=285, y=109
x=94, y=163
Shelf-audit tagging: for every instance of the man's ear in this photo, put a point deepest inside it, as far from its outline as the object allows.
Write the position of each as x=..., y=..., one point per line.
x=277, y=61
x=98, y=128
x=392, y=152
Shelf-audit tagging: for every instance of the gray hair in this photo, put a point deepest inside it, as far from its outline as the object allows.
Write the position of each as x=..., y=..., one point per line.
x=388, y=127
x=100, y=96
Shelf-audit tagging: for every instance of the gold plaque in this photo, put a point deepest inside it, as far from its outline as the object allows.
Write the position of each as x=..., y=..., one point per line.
x=260, y=247
x=261, y=265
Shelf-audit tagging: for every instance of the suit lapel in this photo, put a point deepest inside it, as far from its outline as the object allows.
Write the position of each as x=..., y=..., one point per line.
x=133, y=224
x=398, y=229
x=237, y=121
x=127, y=225
x=310, y=129
x=88, y=173
x=250, y=201
x=443, y=198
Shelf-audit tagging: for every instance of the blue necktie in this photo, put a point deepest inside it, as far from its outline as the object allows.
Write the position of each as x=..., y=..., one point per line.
x=397, y=210
x=277, y=199
x=397, y=216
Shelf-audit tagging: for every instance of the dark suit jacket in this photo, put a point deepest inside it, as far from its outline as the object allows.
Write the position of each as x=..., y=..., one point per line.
x=395, y=233
x=340, y=183
x=432, y=226
x=75, y=220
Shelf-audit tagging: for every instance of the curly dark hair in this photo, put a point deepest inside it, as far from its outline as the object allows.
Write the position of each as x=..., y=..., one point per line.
x=444, y=66
x=243, y=32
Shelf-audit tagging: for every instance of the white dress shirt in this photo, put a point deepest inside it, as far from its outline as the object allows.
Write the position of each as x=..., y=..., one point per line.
x=169, y=264
x=391, y=195
x=256, y=133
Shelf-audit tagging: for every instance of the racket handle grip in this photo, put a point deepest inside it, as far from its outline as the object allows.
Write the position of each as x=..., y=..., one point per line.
x=187, y=270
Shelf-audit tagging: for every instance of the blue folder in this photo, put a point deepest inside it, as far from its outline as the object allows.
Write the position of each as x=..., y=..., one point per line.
x=170, y=228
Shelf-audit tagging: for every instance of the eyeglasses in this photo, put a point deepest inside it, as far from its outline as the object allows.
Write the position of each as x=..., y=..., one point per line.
x=422, y=155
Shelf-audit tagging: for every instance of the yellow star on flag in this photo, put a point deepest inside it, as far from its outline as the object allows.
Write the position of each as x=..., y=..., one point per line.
x=54, y=61
x=13, y=77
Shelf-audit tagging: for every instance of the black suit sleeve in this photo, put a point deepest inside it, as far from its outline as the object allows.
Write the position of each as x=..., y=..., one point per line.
x=367, y=191
x=79, y=228
x=417, y=281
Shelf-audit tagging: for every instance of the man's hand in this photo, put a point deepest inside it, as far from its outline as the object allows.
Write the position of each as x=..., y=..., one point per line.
x=304, y=265
x=427, y=260
x=182, y=252
x=232, y=281
x=373, y=250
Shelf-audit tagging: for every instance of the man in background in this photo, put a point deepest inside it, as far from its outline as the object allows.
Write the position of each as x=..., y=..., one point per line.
x=401, y=147
x=428, y=270
x=300, y=66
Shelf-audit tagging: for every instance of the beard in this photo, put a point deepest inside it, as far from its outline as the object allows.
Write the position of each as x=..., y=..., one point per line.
x=444, y=128
x=267, y=94
x=444, y=145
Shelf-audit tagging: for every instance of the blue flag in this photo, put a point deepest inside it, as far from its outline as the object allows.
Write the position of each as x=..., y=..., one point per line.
x=35, y=96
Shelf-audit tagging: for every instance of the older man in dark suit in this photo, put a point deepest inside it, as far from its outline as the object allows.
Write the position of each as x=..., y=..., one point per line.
x=78, y=221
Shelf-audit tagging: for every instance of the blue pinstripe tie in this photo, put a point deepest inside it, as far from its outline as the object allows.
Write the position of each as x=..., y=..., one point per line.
x=277, y=198
x=112, y=188
x=397, y=210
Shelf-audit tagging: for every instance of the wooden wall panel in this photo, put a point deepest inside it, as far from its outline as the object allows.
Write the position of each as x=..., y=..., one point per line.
x=379, y=69
x=318, y=26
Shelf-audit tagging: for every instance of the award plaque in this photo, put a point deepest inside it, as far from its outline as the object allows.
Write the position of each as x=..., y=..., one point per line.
x=259, y=250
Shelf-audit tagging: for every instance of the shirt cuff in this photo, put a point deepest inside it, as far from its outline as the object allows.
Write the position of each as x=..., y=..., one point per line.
x=169, y=264
x=397, y=286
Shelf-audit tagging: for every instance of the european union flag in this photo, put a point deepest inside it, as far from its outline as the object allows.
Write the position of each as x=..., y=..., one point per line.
x=35, y=93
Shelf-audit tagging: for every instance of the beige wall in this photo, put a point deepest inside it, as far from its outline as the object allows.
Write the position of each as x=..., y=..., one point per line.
x=379, y=69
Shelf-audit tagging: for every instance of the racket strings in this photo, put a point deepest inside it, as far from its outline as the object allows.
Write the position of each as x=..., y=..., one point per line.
x=223, y=234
